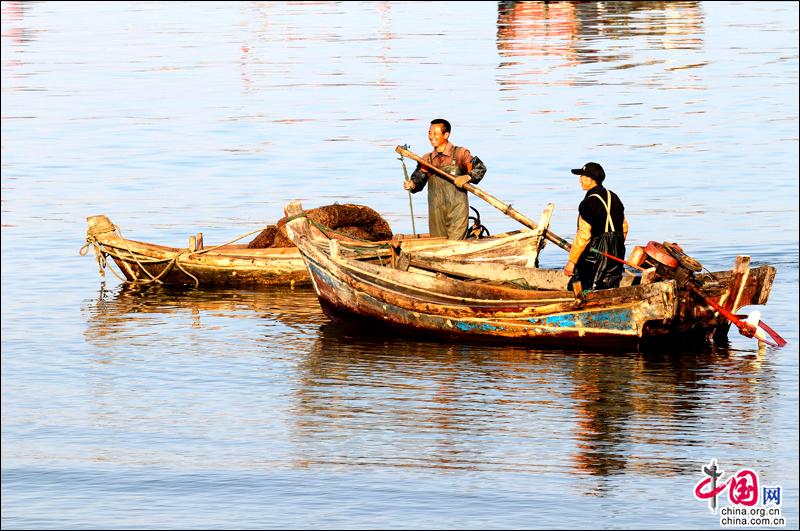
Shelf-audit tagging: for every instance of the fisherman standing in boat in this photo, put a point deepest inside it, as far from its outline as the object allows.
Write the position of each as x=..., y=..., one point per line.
x=448, y=207
x=601, y=226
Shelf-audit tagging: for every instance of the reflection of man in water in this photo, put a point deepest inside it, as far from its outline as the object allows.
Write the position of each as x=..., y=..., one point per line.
x=448, y=207
x=603, y=408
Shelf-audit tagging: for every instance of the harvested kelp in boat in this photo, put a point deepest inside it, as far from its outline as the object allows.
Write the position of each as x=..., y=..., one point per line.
x=353, y=221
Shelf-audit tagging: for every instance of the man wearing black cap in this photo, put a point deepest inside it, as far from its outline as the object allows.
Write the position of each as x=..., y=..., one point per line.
x=601, y=226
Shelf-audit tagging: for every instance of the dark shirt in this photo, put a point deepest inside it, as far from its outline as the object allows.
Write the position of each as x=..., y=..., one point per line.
x=593, y=212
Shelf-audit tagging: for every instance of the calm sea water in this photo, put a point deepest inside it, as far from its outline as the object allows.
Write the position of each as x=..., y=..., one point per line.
x=160, y=408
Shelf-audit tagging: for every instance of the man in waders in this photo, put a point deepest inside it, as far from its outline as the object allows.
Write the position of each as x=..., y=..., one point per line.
x=448, y=208
x=601, y=226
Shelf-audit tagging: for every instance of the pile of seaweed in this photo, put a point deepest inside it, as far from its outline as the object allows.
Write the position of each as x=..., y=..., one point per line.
x=353, y=221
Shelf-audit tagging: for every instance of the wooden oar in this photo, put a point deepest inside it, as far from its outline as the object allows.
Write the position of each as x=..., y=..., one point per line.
x=499, y=205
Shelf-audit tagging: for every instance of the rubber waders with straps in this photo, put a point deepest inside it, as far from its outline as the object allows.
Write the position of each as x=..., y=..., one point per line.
x=448, y=207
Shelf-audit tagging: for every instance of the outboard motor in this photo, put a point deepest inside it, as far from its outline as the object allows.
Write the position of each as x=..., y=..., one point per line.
x=669, y=260
x=672, y=263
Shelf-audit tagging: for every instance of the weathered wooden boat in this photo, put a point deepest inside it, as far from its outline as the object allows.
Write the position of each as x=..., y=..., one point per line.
x=446, y=295
x=236, y=265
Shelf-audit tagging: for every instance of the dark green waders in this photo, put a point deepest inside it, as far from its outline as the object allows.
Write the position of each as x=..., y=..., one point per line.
x=448, y=206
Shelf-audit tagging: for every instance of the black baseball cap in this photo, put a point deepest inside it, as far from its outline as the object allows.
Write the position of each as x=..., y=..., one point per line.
x=593, y=170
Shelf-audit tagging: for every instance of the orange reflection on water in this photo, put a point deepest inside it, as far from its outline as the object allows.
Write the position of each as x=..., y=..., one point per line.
x=537, y=29
x=534, y=38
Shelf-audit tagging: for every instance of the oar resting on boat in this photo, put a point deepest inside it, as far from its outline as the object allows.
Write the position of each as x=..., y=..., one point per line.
x=502, y=207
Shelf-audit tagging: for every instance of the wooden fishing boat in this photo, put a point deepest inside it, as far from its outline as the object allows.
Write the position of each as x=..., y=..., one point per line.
x=446, y=295
x=236, y=265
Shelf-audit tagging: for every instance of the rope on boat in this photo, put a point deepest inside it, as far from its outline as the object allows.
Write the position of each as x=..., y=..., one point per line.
x=201, y=251
x=101, y=251
x=98, y=254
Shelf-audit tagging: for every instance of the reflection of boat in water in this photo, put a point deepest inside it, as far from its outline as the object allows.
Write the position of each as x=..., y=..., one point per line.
x=351, y=397
x=237, y=266
x=537, y=29
x=130, y=310
x=662, y=401
x=504, y=407
x=530, y=305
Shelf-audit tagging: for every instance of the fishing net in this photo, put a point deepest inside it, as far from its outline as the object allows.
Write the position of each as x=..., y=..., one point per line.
x=354, y=221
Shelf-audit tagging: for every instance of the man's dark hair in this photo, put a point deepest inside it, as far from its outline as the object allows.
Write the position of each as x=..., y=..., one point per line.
x=445, y=124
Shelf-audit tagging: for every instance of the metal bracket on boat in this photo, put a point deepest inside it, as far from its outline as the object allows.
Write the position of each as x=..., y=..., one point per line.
x=477, y=229
x=669, y=261
x=682, y=258
x=577, y=290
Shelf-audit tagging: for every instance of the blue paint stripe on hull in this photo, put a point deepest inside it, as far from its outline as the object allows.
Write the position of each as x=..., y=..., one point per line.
x=614, y=319
x=602, y=322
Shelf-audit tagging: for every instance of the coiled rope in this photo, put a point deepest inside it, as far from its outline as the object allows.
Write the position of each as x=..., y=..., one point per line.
x=101, y=251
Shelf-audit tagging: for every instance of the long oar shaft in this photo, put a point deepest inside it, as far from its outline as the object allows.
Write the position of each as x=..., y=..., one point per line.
x=615, y=258
x=502, y=207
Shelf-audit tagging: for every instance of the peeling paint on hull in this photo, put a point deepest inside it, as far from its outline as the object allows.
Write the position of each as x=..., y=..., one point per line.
x=487, y=308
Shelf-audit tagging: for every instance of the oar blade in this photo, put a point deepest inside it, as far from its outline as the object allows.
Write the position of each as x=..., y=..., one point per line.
x=776, y=337
x=753, y=326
